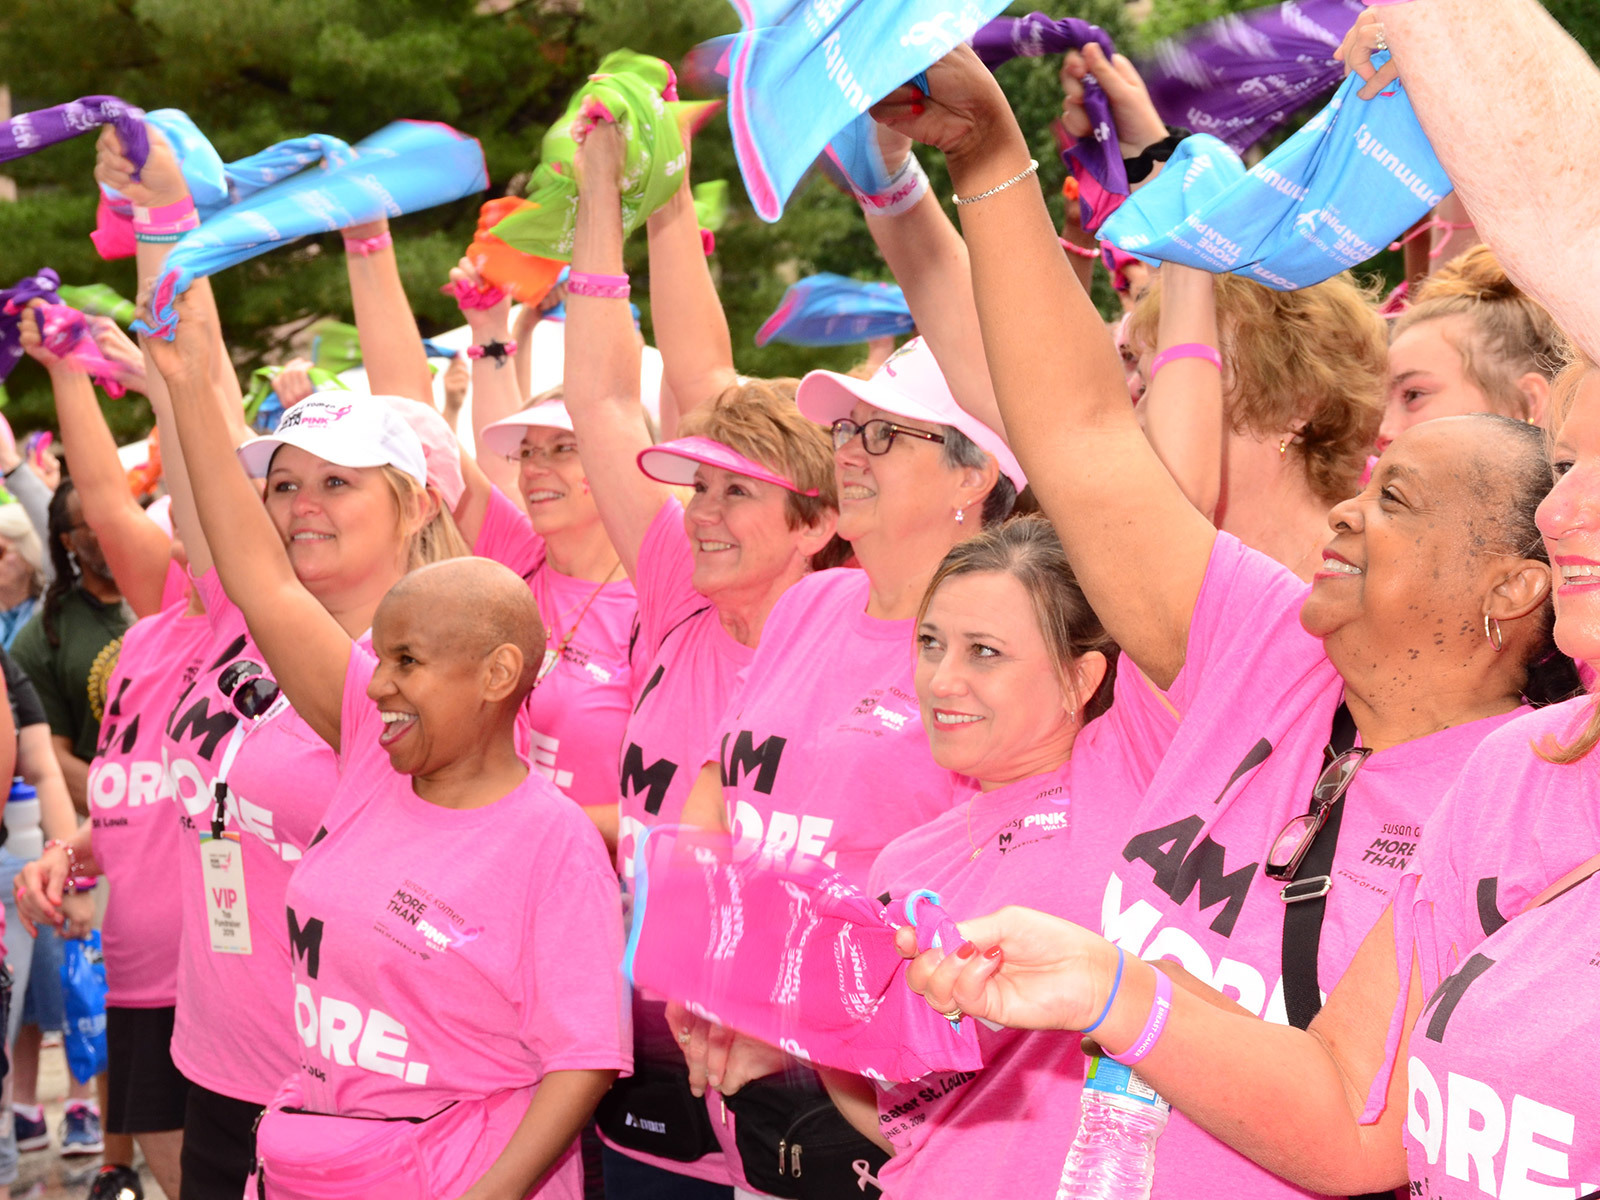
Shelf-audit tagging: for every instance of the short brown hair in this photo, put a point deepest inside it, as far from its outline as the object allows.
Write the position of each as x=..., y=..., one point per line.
x=1028, y=549
x=1317, y=355
x=1512, y=335
x=758, y=418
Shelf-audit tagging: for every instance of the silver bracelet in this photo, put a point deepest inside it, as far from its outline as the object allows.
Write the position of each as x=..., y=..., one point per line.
x=1033, y=165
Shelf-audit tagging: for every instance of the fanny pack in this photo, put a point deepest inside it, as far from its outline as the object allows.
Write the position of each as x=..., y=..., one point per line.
x=303, y=1155
x=654, y=1112
x=793, y=1143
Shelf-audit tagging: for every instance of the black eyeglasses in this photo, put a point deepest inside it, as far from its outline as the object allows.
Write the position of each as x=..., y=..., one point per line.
x=876, y=435
x=251, y=689
x=1290, y=847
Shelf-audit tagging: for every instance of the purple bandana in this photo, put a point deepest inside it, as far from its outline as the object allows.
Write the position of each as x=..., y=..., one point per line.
x=12, y=301
x=1036, y=35
x=27, y=132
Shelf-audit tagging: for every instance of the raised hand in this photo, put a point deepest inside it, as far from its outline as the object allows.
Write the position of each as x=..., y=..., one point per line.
x=467, y=285
x=160, y=180
x=120, y=349
x=600, y=154
x=188, y=355
x=960, y=112
x=1018, y=968
x=1138, y=124
x=32, y=339
x=1363, y=41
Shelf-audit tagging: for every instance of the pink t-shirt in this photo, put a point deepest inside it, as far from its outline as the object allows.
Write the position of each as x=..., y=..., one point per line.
x=135, y=830
x=444, y=955
x=581, y=706
x=824, y=752
x=232, y=1031
x=689, y=667
x=1258, y=695
x=1503, y=1097
x=1031, y=839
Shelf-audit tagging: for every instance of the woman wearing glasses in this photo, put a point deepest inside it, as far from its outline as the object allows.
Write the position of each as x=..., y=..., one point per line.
x=1421, y=634
x=557, y=542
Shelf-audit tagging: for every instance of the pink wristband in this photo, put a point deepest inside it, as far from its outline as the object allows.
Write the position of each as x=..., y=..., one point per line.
x=1160, y=1009
x=1185, y=350
x=361, y=247
x=598, y=287
x=1080, y=251
x=166, y=218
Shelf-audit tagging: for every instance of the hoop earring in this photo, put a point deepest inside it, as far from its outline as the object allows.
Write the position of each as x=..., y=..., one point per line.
x=961, y=516
x=1491, y=630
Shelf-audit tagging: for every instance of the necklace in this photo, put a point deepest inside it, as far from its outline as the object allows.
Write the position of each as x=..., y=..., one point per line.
x=976, y=849
x=552, y=657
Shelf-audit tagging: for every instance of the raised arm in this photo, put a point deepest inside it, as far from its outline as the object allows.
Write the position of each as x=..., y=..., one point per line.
x=305, y=646
x=136, y=549
x=690, y=326
x=495, y=390
x=391, y=345
x=602, y=356
x=929, y=261
x=1182, y=405
x=1139, y=547
x=1532, y=197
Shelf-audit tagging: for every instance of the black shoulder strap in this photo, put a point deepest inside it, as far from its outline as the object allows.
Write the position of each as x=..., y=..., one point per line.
x=1302, y=919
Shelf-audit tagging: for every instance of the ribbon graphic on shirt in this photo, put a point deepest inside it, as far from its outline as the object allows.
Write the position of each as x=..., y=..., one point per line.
x=797, y=957
x=1342, y=188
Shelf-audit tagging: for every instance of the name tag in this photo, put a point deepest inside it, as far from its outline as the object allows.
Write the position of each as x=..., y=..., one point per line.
x=222, y=868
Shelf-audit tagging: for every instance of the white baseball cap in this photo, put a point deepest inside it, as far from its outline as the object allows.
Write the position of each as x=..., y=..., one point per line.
x=506, y=434
x=911, y=385
x=345, y=428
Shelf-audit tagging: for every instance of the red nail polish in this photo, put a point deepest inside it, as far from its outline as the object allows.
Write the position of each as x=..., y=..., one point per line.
x=993, y=952
x=917, y=109
x=966, y=950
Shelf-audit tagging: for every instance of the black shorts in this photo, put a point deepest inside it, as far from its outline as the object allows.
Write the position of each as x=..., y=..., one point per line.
x=219, y=1145
x=147, y=1093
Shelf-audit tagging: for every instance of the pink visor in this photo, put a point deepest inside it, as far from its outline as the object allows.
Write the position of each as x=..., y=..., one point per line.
x=674, y=462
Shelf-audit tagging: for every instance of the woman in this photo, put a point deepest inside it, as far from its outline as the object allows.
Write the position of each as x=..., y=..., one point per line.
x=498, y=1018
x=21, y=574
x=1432, y=1065
x=558, y=543
x=707, y=571
x=1013, y=674
x=249, y=774
x=1471, y=342
x=1427, y=625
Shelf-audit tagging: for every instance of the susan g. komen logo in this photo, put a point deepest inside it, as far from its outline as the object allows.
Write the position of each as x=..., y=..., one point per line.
x=318, y=416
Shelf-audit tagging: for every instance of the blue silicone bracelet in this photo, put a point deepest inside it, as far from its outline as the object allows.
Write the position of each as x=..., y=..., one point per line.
x=1111, y=999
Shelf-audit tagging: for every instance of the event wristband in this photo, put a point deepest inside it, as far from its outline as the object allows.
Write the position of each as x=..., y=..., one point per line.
x=167, y=239
x=178, y=217
x=905, y=189
x=598, y=287
x=362, y=247
x=1160, y=1009
x=1185, y=350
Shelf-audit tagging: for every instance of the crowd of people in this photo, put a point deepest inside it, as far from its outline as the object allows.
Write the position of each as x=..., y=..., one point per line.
x=1221, y=668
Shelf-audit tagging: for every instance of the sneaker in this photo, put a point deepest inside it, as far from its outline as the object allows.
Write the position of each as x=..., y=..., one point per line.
x=80, y=1132
x=115, y=1182
x=32, y=1132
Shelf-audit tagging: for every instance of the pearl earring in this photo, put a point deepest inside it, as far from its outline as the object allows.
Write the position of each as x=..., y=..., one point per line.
x=961, y=516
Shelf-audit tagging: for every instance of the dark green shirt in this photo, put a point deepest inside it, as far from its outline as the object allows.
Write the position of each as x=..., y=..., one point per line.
x=71, y=678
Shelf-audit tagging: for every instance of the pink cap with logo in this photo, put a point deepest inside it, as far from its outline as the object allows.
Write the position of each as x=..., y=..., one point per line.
x=674, y=463
x=911, y=385
x=506, y=434
x=347, y=429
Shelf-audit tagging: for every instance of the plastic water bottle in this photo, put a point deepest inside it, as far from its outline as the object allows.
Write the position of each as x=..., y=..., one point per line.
x=1114, y=1155
x=24, y=839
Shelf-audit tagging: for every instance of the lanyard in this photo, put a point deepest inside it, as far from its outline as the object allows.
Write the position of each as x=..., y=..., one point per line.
x=241, y=730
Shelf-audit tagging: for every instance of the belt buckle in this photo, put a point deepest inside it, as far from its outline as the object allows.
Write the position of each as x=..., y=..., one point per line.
x=1313, y=887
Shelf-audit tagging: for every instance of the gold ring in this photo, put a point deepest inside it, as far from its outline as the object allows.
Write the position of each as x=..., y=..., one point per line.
x=1383, y=41
x=953, y=1016
x=683, y=1038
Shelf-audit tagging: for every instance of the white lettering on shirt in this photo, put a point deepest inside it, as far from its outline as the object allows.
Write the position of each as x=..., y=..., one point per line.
x=334, y=1026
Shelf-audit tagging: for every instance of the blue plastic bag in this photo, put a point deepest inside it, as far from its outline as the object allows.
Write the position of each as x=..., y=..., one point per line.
x=1349, y=182
x=83, y=999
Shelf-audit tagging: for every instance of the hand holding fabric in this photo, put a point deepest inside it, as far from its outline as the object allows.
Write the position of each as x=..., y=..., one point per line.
x=159, y=182
x=1364, y=39
x=961, y=112
x=1138, y=124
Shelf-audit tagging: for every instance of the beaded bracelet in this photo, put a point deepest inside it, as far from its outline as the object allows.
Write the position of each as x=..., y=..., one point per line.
x=598, y=287
x=362, y=247
x=1033, y=165
x=1080, y=251
x=1160, y=1009
x=74, y=868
